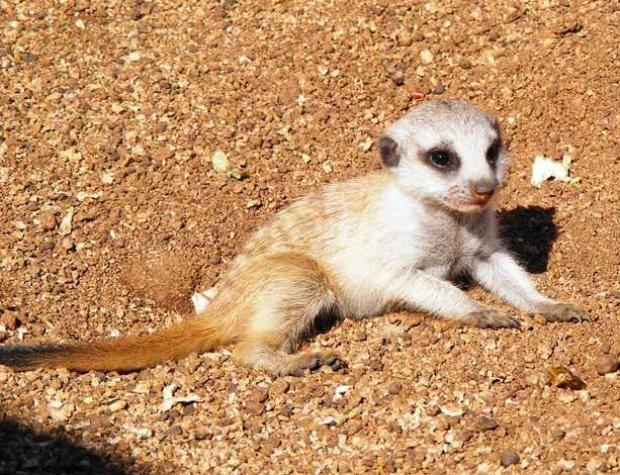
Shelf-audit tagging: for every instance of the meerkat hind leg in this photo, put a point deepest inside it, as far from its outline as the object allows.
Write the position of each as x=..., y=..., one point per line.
x=293, y=292
x=263, y=354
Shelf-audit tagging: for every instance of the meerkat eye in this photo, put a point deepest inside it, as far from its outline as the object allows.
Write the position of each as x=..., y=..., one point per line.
x=493, y=152
x=442, y=159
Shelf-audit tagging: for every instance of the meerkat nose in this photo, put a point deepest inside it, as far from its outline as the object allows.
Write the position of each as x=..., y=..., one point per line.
x=483, y=189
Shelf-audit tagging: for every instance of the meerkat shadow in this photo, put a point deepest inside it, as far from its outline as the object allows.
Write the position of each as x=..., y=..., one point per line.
x=529, y=233
x=24, y=450
x=323, y=323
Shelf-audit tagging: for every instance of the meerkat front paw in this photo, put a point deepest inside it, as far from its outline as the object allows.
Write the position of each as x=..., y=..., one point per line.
x=491, y=318
x=564, y=312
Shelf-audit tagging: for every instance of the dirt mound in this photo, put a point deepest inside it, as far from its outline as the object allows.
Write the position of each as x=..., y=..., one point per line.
x=166, y=278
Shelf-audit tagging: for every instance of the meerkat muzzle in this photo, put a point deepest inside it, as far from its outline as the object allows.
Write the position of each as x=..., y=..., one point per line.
x=482, y=191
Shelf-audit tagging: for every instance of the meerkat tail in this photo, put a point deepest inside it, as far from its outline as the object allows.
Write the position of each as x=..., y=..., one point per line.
x=198, y=334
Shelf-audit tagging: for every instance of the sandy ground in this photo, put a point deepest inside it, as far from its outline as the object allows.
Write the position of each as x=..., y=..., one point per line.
x=109, y=115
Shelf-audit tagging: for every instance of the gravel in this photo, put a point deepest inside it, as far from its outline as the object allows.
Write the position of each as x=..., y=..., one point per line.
x=113, y=214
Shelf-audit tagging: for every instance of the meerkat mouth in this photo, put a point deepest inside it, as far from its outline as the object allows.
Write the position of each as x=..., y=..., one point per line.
x=469, y=206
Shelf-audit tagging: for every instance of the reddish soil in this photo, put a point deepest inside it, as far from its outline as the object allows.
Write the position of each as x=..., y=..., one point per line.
x=111, y=111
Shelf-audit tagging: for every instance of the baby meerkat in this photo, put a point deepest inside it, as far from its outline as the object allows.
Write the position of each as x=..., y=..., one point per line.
x=389, y=240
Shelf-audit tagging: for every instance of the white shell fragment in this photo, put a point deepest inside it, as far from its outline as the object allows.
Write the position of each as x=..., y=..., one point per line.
x=545, y=168
x=170, y=400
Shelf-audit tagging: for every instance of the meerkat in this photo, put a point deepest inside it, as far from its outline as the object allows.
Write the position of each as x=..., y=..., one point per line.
x=392, y=239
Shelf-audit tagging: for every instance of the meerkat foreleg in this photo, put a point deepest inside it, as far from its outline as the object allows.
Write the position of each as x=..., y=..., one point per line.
x=501, y=275
x=422, y=291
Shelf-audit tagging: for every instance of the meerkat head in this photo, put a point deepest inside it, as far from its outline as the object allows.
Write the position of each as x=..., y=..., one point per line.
x=447, y=152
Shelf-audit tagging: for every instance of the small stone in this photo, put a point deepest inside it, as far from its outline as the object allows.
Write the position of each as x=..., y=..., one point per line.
x=558, y=434
x=376, y=365
x=66, y=225
x=280, y=386
x=606, y=364
x=451, y=411
x=508, y=458
x=118, y=405
x=61, y=412
x=440, y=89
x=174, y=430
x=397, y=77
x=566, y=465
x=256, y=407
x=484, y=423
x=458, y=437
x=107, y=178
x=404, y=38
x=142, y=432
x=67, y=244
x=395, y=388
x=9, y=321
x=220, y=162
x=48, y=221
x=37, y=330
x=562, y=377
x=260, y=395
x=465, y=63
x=426, y=56
x=596, y=465
x=46, y=246
x=203, y=432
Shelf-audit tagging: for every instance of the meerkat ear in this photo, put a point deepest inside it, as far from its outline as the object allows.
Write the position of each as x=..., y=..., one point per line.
x=388, y=149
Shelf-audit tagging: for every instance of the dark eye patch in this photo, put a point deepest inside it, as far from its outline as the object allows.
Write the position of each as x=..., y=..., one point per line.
x=493, y=152
x=442, y=158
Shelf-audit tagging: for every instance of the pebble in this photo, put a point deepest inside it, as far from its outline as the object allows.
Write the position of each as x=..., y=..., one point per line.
x=484, y=423
x=260, y=395
x=376, y=365
x=9, y=321
x=203, y=432
x=280, y=386
x=452, y=411
x=606, y=364
x=562, y=377
x=404, y=38
x=465, y=63
x=395, y=388
x=508, y=458
x=437, y=90
x=566, y=465
x=458, y=437
x=426, y=56
x=118, y=405
x=67, y=244
x=256, y=407
x=596, y=465
x=397, y=77
x=66, y=225
x=48, y=221
x=220, y=162
x=558, y=434
x=46, y=246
